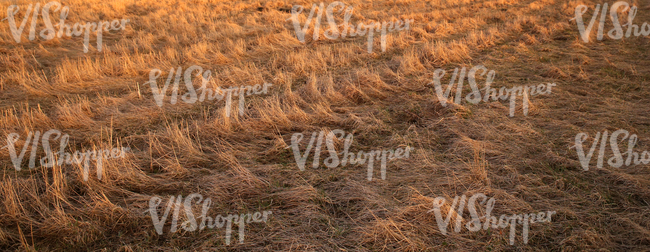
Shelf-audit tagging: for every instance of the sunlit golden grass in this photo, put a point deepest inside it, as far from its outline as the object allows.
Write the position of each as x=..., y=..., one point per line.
x=102, y=101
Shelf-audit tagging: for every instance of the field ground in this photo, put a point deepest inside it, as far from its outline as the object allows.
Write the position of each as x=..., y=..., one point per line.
x=384, y=98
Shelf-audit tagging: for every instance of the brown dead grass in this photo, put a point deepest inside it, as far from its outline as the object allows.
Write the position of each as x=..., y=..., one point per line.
x=383, y=98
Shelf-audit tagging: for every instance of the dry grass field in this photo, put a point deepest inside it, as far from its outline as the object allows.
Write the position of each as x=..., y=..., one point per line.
x=102, y=100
